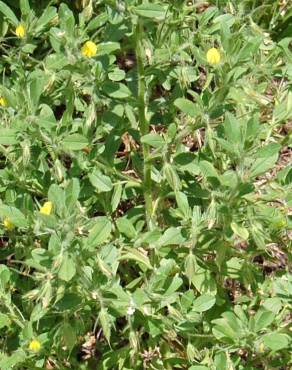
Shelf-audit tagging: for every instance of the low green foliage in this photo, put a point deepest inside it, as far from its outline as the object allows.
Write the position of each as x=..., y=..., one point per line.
x=145, y=184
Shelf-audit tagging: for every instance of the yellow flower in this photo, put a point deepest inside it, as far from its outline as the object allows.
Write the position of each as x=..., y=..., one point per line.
x=89, y=49
x=8, y=224
x=20, y=31
x=34, y=345
x=3, y=102
x=213, y=56
x=46, y=209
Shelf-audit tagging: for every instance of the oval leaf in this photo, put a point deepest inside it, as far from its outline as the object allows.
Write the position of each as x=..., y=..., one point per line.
x=151, y=11
x=100, y=232
x=116, y=90
x=203, y=303
x=75, y=142
x=187, y=107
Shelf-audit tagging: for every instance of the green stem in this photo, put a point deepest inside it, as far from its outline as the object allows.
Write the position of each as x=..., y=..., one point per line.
x=144, y=127
x=18, y=319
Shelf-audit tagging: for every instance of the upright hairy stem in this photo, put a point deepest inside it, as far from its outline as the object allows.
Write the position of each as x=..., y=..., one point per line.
x=144, y=125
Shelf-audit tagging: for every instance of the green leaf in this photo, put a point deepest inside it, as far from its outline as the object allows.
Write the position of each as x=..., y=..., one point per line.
x=224, y=332
x=100, y=231
x=276, y=341
x=97, y=22
x=38, y=312
x=187, y=107
x=47, y=118
x=67, y=269
x=252, y=127
x=136, y=255
x=28, y=48
x=154, y=140
x=203, y=280
x=266, y=157
x=249, y=48
x=70, y=301
x=232, y=129
x=4, y=320
x=37, y=83
x=117, y=75
x=239, y=230
x=171, y=236
x=57, y=196
x=8, y=136
x=220, y=361
x=263, y=319
x=172, y=177
x=101, y=182
x=74, y=142
x=151, y=11
x=203, y=303
x=14, y=214
x=225, y=20
x=69, y=336
x=190, y=267
x=55, y=39
x=154, y=327
x=55, y=61
x=208, y=14
x=126, y=227
x=116, y=197
x=273, y=304
x=183, y=204
x=174, y=285
x=4, y=276
x=8, y=13
x=67, y=20
x=24, y=6
x=207, y=169
x=9, y=362
x=105, y=48
x=116, y=90
x=47, y=16
x=234, y=267
x=72, y=192
x=104, y=319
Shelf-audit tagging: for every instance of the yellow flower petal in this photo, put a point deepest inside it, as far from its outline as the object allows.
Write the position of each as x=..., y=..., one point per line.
x=46, y=209
x=213, y=56
x=34, y=345
x=8, y=224
x=3, y=102
x=89, y=49
x=20, y=31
